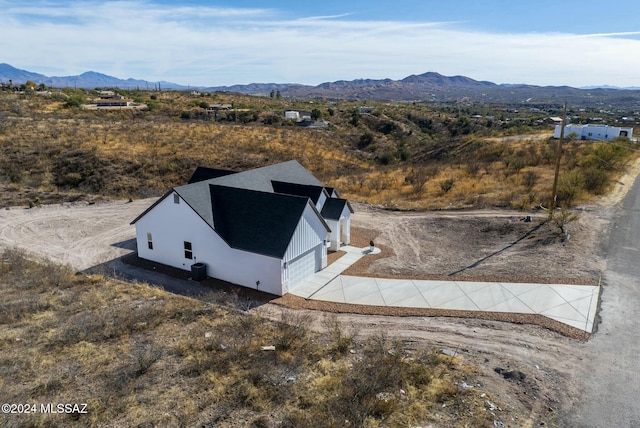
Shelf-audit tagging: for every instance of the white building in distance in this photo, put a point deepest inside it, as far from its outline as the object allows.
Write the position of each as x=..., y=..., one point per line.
x=593, y=132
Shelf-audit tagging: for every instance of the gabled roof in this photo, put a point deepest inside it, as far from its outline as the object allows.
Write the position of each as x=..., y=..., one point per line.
x=203, y=173
x=257, y=210
x=261, y=178
x=333, y=208
x=254, y=221
x=151, y=207
x=306, y=190
x=331, y=191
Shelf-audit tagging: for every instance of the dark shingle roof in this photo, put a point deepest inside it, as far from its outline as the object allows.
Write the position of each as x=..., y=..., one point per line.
x=333, y=208
x=203, y=173
x=254, y=221
x=197, y=195
x=308, y=191
x=261, y=178
x=243, y=208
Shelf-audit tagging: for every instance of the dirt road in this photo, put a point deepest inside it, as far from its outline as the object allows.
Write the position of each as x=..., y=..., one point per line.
x=610, y=374
x=77, y=234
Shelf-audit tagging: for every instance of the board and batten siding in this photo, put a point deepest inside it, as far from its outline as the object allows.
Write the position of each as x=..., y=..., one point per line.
x=310, y=233
x=171, y=224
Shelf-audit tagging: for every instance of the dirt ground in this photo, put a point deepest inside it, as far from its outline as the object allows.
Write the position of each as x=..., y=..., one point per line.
x=489, y=245
x=478, y=244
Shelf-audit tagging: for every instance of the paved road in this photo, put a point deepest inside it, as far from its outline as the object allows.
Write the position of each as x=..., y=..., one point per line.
x=611, y=373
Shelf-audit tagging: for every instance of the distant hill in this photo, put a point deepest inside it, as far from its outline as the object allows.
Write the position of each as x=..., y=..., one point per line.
x=87, y=80
x=427, y=87
x=18, y=76
x=434, y=87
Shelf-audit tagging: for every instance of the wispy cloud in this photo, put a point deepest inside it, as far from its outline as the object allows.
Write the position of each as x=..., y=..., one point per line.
x=202, y=45
x=619, y=34
x=316, y=18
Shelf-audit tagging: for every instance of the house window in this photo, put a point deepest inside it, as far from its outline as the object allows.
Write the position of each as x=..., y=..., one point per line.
x=188, y=250
x=176, y=198
x=149, y=241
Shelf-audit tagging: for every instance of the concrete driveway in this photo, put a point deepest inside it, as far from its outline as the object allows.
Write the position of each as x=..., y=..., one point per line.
x=574, y=305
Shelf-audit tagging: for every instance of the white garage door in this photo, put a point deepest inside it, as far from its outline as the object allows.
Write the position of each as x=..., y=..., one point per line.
x=302, y=267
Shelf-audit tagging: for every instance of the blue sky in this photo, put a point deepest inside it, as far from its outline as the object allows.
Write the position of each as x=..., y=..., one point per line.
x=211, y=43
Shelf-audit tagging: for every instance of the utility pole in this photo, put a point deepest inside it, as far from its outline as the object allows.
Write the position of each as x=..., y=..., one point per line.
x=554, y=192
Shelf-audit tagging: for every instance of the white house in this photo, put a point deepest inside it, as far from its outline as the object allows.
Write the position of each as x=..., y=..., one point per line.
x=292, y=115
x=267, y=228
x=593, y=132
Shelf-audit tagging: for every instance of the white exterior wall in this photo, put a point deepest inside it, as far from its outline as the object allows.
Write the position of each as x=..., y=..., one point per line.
x=598, y=132
x=346, y=229
x=334, y=237
x=171, y=224
x=568, y=130
x=292, y=115
x=340, y=229
x=321, y=200
x=310, y=233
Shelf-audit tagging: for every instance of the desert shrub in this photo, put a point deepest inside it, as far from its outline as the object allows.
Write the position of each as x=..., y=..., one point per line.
x=529, y=179
x=447, y=185
x=563, y=217
x=387, y=127
x=472, y=166
x=491, y=153
x=341, y=342
x=531, y=155
x=515, y=163
x=366, y=389
x=424, y=123
x=607, y=156
x=569, y=187
x=365, y=140
x=385, y=158
x=596, y=180
x=403, y=154
x=75, y=100
x=417, y=178
x=292, y=329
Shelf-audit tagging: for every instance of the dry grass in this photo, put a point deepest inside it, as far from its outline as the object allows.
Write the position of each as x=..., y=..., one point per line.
x=51, y=152
x=141, y=357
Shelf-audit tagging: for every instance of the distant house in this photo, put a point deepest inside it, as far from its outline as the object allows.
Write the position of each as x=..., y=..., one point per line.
x=267, y=228
x=116, y=101
x=111, y=99
x=593, y=132
x=297, y=115
x=292, y=115
x=218, y=107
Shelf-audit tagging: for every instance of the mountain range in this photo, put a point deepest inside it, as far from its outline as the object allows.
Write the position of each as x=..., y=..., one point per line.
x=87, y=80
x=430, y=86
